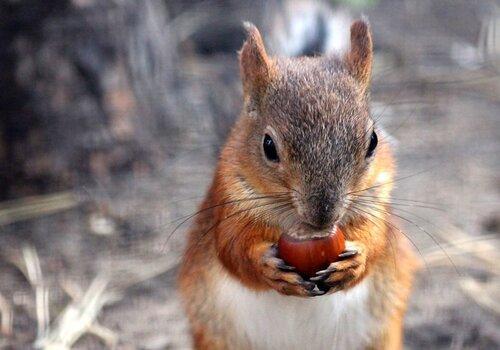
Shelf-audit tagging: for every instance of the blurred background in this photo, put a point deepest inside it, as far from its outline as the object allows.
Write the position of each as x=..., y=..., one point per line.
x=112, y=113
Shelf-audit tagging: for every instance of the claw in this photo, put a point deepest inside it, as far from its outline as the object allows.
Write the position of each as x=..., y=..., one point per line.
x=316, y=292
x=308, y=285
x=284, y=267
x=348, y=254
x=319, y=278
x=326, y=271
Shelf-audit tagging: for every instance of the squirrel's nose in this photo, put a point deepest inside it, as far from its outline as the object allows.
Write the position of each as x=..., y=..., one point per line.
x=320, y=213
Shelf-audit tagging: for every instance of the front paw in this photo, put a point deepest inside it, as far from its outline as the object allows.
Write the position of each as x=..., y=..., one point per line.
x=345, y=273
x=282, y=277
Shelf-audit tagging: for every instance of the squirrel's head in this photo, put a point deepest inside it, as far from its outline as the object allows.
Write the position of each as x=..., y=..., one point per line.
x=306, y=141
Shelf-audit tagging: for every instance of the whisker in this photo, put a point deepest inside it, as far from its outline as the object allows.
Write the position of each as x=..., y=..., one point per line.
x=239, y=212
x=228, y=202
x=392, y=203
x=377, y=225
x=458, y=243
x=397, y=198
x=421, y=229
x=188, y=217
x=242, y=211
x=395, y=228
x=390, y=182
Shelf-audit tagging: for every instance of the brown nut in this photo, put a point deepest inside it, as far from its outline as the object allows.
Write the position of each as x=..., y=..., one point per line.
x=311, y=255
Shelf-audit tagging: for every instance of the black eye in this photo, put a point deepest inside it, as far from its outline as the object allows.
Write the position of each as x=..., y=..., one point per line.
x=270, y=149
x=373, y=144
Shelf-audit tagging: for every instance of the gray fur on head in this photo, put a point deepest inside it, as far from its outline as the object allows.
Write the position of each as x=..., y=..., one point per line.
x=319, y=110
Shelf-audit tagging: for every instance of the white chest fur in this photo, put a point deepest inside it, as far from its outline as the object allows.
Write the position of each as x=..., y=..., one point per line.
x=271, y=321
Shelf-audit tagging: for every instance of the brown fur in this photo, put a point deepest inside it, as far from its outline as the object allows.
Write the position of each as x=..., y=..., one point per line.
x=359, y=58
x=319, y=109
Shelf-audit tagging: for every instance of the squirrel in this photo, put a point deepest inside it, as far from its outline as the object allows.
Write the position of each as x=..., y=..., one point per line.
x=303, y=156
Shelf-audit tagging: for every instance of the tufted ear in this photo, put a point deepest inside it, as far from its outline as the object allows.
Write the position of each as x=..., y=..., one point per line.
x=359, y=58
x=255, y=65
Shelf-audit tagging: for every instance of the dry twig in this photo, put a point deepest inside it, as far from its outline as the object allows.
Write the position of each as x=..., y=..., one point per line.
x=484, y=249
x=6, y=316
x=459, y=243
x=35, y=277
x=33, y=207
x=482, y=293
x=79, y=317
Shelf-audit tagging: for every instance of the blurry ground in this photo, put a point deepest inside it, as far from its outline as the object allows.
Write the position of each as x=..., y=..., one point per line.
x=123, y=134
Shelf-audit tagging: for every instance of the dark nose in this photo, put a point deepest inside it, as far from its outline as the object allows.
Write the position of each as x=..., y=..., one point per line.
x=320, y=210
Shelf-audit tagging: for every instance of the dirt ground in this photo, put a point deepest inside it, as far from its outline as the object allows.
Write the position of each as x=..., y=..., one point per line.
x=97, y=267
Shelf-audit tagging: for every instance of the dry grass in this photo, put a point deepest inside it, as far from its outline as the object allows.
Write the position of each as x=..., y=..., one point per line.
x=37, y=206
x=460, y=249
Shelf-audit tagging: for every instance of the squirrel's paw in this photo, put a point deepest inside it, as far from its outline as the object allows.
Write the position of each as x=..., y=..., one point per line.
x=345, y=273
x=281, y=277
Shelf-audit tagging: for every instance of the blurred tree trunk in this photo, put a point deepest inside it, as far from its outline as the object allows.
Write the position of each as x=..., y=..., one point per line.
x=84, y=87
x=94, y=89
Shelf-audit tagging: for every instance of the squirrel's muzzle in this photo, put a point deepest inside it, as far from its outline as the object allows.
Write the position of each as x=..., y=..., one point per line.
x=321, y=210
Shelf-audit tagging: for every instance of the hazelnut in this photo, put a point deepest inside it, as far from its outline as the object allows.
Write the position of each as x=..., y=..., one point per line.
x=309, y=256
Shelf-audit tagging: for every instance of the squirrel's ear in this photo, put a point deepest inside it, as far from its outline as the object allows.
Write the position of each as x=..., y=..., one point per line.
x=360, y=55
x=255, y=65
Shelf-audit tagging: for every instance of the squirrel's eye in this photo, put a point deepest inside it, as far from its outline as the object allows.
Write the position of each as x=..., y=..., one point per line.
x=373, y=144
x=270, y=149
